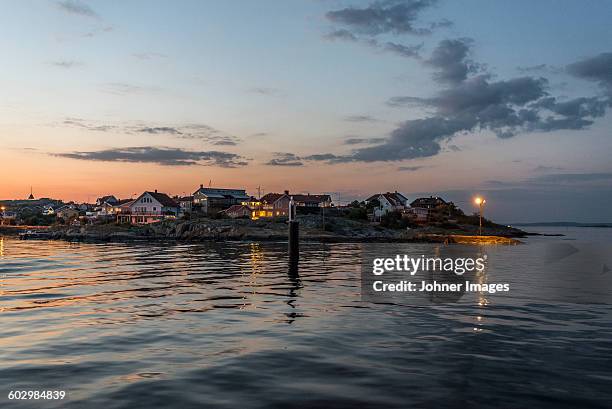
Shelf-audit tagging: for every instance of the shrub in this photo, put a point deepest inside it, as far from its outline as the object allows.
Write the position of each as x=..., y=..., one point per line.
x=358, y=213
x=395, y=220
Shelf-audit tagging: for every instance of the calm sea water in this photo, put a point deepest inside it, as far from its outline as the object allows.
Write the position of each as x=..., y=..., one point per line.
x=226, y=325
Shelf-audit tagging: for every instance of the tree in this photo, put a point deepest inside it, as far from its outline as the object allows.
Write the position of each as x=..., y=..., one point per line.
x=358, y=213
x=373, y=204
x=355, y=203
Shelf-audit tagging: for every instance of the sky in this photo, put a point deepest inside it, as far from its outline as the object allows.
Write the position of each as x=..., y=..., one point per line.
x=508, y=100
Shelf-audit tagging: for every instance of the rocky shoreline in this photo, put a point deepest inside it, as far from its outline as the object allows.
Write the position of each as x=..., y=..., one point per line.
x=336, y=229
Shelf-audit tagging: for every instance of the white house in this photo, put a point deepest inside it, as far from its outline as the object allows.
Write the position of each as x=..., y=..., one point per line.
x=149, y=207
x=389, y=202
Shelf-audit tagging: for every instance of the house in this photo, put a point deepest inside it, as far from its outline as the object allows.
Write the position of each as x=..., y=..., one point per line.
x=110, y=199
x=186, y=204
x=85, y=207
x=120, y=205
x=430, y=202
x=252, y=202
x=209, y=199
x=67, y=212
x=251, y=207
x=309, y=200
x=388, y=202
x=274, y=205
x=149, y=207
x=277, y=204
x=7, y=217
x=421, y=208
x=48, y=210
x=106, y=208
x=419, y=214
x=123, y=206
x=238, y=211
x=111, y=208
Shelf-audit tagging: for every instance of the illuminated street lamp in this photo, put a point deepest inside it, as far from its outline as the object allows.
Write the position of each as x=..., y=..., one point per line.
x=480, y=203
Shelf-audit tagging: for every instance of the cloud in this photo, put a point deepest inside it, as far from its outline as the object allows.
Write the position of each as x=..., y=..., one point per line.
x=543, y=68
x=66, y=64
x=453, y=148
x=409, y=51
x=360, y=118
x=571, y=178
x=556, y=180
x=122, y=88
x=266, y=91
x=413, y=139
x=208, y=134
x=597, y=68
x=451, y=59
x=161, y=156
x=81, y=123
x=285, y=159
x=327, y=157
x=382, y=17
x=473, y=102
x=148, y=55
x=95, y=32
x=342, y=34
x=77, y=7
x=504, y=107
x=160, y=130
x=444, y=23
x=542, y=168
x=404, y=101
x=359, y=141
x=409, y=168
x=201, y=132
x=396, y=17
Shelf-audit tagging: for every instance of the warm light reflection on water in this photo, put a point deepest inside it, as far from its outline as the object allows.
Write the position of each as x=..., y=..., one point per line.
x=231, y=325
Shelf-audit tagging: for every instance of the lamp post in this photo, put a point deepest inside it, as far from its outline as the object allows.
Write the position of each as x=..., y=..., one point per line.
x=480, y=202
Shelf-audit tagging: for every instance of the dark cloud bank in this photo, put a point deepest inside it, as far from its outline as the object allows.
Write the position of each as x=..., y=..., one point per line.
x=77, y=7
x=162, y=156
x=471, y=99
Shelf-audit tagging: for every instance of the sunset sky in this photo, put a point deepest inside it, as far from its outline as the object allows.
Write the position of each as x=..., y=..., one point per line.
x=506, y=99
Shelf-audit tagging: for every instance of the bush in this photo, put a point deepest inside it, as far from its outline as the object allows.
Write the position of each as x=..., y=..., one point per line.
x=394, y=220
x=355, y=203
x=39, y=220
x=358, y=213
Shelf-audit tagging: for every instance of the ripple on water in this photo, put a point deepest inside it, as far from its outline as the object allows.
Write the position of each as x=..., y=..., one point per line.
x=226, y=325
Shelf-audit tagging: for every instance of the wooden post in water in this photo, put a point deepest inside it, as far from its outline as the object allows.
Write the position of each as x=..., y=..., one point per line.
x=294, y=234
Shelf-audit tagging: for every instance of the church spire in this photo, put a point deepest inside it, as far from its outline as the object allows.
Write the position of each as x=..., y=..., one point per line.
x=31, y=197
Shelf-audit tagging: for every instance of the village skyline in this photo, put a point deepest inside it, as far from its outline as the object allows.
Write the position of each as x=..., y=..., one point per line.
x=348, y=98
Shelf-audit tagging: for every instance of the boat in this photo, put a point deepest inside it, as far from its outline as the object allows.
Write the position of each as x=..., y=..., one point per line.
x=32, y=234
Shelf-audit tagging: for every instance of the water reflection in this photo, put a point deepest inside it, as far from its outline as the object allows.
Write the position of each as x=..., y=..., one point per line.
x=235, y=325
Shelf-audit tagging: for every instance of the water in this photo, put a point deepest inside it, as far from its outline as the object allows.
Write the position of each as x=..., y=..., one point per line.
x=226, y=325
